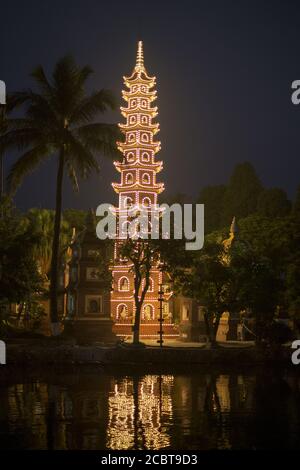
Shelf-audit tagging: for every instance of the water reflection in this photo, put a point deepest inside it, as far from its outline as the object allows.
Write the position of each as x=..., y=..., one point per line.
x=140, y=412
x=180, y=411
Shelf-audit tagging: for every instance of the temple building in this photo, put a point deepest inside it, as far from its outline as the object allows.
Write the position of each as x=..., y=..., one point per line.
x=87, y=316
x=138, y=188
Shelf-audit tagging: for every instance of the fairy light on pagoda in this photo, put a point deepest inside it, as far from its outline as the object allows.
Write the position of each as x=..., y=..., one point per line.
x=139, y=168
x=136, y=188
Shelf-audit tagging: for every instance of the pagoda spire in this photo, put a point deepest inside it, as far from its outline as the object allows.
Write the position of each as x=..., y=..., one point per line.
x=139, y=167
x=140, y=56
x=234, y=229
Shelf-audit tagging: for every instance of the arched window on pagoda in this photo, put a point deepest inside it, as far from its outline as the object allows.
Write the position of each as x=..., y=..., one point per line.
x=148, y=312
x=123, y=284
x=127, y=202
x=133, y=104
x=124, y=228
x=144, y=104
x=131, y=137
x=122, y=312
x=130, y=156
x=145, y=157
x=129, y=178
x=145, y=137
x=132, y=120
x=146, y=178
x=151, y=285
x=143, y=88
x=144, y=120
x=146, y=201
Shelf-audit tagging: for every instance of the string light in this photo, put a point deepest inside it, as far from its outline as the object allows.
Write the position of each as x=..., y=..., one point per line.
x=138, y=186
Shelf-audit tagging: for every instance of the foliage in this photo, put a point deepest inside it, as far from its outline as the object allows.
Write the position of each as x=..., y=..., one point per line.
x=208, y=281
x=255, y=287
x=75, y=218
x=292, y=288
x=20, y=279
x=59, y=115
x=296, y=206
x=212, y=198
x=278, y=333
x=43, y=221
x=241, y=195
x=273, y=203
x=59, y=121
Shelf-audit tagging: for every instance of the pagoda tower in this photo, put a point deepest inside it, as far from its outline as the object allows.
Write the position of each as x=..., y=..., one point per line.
x=137, y=188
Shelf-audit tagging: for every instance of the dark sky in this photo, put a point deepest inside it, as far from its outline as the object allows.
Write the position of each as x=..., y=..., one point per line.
x=224, y=71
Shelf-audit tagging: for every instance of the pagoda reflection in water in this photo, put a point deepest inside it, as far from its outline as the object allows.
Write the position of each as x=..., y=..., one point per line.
x=97, y=410
x=140, y=412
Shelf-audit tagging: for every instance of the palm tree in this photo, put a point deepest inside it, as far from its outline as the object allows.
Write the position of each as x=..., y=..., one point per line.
x=59, y=121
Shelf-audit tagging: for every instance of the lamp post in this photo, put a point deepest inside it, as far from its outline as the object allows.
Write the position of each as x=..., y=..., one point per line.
x=161, y=320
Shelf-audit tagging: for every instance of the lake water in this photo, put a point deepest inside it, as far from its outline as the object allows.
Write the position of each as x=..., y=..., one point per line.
x=87, y=408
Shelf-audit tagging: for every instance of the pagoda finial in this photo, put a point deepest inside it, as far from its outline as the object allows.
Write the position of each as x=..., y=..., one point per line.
x=140, y=56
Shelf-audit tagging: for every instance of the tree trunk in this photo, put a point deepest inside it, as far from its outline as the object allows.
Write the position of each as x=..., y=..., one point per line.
x=207, y=326
x=138, y=308
x=216, y=325
x=136, y=326
x=55, y=247
x=211, y=330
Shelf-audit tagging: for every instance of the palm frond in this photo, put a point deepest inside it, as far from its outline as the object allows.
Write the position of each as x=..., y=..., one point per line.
x=52, y=115
x=69, y=81
x=26, y=164
x=41, y=79
x=73, y=176
x=18, y=98
x=88, y=108
x=100, y=137
x=81, y=158
x=20, y=138
x=83, y=74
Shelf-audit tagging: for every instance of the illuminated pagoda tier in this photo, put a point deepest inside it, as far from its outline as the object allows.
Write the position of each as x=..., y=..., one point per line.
x=138, y=187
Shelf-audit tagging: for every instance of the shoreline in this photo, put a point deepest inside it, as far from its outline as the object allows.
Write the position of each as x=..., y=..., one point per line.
x=33, y=353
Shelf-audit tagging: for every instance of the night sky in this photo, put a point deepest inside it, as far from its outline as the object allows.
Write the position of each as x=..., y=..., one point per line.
x=224, y=71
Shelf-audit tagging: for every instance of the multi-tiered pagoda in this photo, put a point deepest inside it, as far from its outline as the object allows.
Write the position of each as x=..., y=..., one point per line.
x=137, y=188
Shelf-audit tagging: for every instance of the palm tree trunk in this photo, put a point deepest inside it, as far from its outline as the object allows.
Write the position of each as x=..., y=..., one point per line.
x=55, y=247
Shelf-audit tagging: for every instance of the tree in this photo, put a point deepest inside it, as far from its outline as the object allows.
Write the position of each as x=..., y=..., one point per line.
x=20, y=279
x=212, y=198
x=242, y=192
x=255, y=286
x=292, y=291
x=59, y=122
x=142, y=256
x=75, y=218
x=208, y=281
x=296, y=207
x=273, y=203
